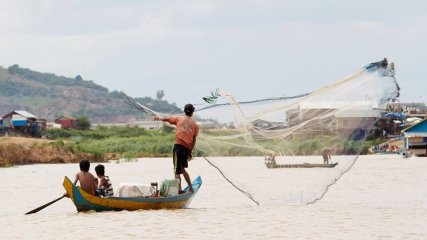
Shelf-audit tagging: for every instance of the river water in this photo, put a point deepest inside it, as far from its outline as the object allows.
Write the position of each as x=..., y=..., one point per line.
x=381, y=197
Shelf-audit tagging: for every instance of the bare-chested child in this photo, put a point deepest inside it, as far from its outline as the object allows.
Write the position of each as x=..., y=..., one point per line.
x=86, y=179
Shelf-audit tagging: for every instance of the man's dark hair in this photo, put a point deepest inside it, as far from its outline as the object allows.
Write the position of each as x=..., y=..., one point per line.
x=84, y=165
x=100, y=170
x=189, y=109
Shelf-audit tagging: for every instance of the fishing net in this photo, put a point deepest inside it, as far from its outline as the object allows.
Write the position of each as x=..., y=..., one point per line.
x=295, y=133
x=302, y=125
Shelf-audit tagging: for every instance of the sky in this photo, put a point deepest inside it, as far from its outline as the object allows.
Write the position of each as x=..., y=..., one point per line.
x=253, y=49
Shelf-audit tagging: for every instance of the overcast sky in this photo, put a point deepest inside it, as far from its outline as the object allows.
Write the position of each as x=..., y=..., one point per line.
x=253, y=49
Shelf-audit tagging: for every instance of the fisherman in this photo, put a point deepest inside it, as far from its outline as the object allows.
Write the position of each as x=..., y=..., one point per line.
x=105, y=188
x=86, y=179
x=186, y=132
x=326, y=153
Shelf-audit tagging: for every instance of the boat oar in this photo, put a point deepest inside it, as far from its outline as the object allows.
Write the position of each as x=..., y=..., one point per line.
x=44, y=206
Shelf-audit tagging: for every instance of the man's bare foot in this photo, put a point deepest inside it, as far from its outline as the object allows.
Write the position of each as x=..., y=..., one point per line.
x=190, y=191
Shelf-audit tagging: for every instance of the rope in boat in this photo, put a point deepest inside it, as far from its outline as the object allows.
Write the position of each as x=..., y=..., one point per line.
x=228, y=180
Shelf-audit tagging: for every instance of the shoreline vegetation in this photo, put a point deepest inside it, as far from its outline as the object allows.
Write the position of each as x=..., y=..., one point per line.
x=112, y=143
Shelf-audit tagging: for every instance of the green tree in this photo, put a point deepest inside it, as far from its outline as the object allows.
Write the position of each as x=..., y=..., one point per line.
x=160, y=94
x=82, y=123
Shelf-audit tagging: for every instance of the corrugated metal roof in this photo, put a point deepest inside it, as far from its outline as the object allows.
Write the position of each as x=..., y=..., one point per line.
x=26, y=114
x=419, y=127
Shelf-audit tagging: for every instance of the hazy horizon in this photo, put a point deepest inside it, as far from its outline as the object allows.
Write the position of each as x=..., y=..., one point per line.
x=252, y=49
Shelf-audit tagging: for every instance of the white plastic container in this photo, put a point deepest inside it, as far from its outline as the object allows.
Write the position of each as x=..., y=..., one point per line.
x=135, y=190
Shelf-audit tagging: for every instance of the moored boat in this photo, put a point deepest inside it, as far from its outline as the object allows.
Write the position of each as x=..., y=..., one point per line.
x=87, y=202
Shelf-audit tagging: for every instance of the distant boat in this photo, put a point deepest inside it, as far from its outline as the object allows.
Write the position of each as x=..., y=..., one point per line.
x=270, y=162
x=303, y=165
x=87, y=202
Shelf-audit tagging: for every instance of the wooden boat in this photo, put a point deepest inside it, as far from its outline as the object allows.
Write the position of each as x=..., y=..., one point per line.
x=86, y=202
x=270, y=162
x=303, y=165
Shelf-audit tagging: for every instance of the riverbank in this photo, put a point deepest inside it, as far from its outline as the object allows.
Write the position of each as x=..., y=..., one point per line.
x=20, y=150
x=107, y=143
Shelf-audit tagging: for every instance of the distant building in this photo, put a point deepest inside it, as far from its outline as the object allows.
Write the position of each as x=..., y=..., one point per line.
x=66, y=122
x=259, y=123
x=416, y=138
x=2, y=131
x=410, y=109
x=392, y=124
x=23, y=123
x=345, y=118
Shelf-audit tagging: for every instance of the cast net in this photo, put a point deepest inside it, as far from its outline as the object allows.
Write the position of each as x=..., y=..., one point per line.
x=294, y=133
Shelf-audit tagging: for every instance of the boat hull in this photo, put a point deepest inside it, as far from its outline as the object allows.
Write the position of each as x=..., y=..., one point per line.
x=302, y=165
x=87, y=202
x=270, y=162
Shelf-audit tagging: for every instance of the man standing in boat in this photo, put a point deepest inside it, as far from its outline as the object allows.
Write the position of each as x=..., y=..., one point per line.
x=186, y=132
x=326, y=153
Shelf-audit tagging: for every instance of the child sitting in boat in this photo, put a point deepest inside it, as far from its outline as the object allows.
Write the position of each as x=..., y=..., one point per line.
x=105, y=188
x=86, y=179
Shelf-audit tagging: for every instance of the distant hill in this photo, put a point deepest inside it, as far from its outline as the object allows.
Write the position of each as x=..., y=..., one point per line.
x=50, y=96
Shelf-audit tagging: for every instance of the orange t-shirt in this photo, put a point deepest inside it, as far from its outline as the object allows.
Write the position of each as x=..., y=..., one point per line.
x=186, y=130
